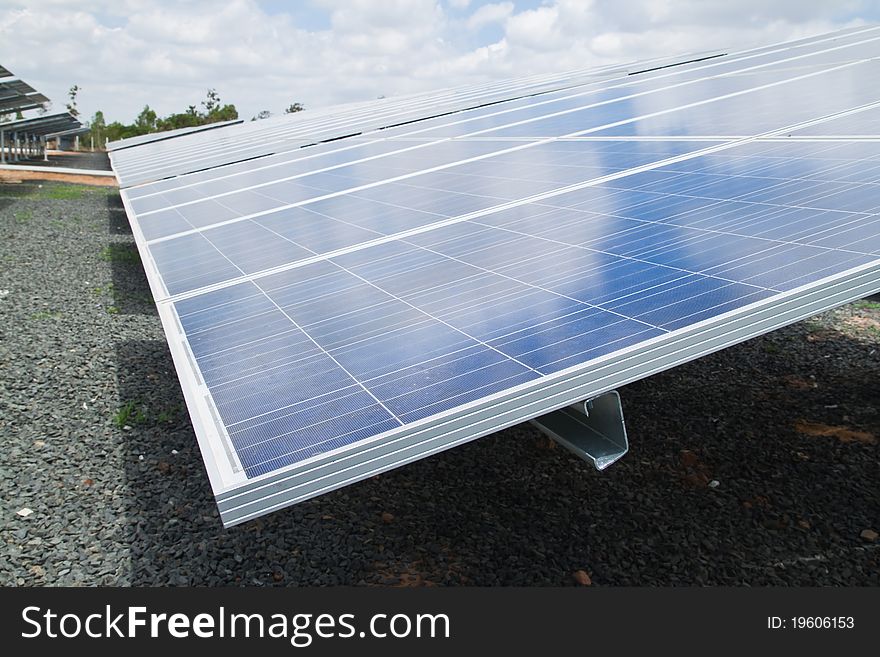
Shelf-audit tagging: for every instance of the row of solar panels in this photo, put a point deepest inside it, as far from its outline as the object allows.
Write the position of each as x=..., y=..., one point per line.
x=16, y=96
x=344, y=308
x=166, y=157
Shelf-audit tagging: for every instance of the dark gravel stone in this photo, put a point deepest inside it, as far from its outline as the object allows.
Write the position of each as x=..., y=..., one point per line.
x=776, y=421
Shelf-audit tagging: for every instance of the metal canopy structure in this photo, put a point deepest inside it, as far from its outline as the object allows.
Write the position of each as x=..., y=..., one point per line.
x=22, y=103
x=42, y=125
x=339, y=310
x=27, y=137
x=18, y=96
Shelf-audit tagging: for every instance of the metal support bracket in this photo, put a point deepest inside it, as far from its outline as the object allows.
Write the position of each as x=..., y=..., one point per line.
x=593, y=430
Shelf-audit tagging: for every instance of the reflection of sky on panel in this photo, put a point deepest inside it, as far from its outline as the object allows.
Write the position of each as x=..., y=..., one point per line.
x=526, y=109
x=286, y=236
x=401, y=330
x=265, y=138
x=760, y=111
x=865, y=123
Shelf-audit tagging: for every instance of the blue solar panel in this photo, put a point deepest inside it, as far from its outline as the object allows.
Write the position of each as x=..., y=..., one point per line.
x=408, y=328
x=328, y=314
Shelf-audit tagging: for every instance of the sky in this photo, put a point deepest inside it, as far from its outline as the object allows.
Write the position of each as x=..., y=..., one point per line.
x=266, y=54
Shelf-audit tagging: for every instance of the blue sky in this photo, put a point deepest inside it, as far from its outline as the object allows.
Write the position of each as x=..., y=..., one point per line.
x=265, y=54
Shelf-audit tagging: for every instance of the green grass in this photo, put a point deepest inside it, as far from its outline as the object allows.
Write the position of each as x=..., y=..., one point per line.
x=63, y=192
x=867, y=305
x=23, y=216
x=169, y=415
x=45, y=315
x=133, y=414
x=124, y=253
x=129, y=415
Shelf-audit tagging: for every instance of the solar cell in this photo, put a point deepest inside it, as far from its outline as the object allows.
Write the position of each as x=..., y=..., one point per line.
x=340, y=310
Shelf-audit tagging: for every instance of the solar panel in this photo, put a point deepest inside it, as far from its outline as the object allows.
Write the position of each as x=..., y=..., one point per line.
x=140, y=140
x=263, y=138
x=340, y=310
x=41, y=125
x=279, y=134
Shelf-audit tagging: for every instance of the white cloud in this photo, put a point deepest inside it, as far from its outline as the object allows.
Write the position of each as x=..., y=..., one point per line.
x=496, y=12
x=127, y=53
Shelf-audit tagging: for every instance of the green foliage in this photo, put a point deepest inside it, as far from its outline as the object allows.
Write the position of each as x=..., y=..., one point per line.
x=128, y=415
x=63, y=192
x=213, y=110
x=97, y=130
x=133, y=413
x=71, y=105
x=44, y=315
x=148, y=121
x=125, y=253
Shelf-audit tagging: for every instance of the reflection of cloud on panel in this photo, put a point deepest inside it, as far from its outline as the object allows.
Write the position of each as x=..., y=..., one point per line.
x=753, y=112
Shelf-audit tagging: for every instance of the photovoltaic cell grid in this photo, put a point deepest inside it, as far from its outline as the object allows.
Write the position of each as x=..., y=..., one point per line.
x=140, y=140
x=326, y=312
x=259, y=139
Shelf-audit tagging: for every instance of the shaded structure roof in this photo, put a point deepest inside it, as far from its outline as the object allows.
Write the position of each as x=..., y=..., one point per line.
x=41, y=126
x=18, y=96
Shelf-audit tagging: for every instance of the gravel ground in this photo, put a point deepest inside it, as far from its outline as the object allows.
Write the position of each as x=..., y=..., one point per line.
x=785, y=424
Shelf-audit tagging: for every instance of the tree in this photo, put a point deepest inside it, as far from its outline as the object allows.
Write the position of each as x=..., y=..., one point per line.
x=212, y=101
x=262, y=114
x=145, y=121
x=148, y=121
x=71, y=105
x=294, y=107
x=98, y=129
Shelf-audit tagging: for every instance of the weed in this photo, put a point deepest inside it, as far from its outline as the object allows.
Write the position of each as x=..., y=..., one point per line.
x=62, y=192
x=867, y=305
x=23, y=216
x=129, y=415
x=169, y=415
x=112, y=310
x=125, y=253
x=44, y=315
